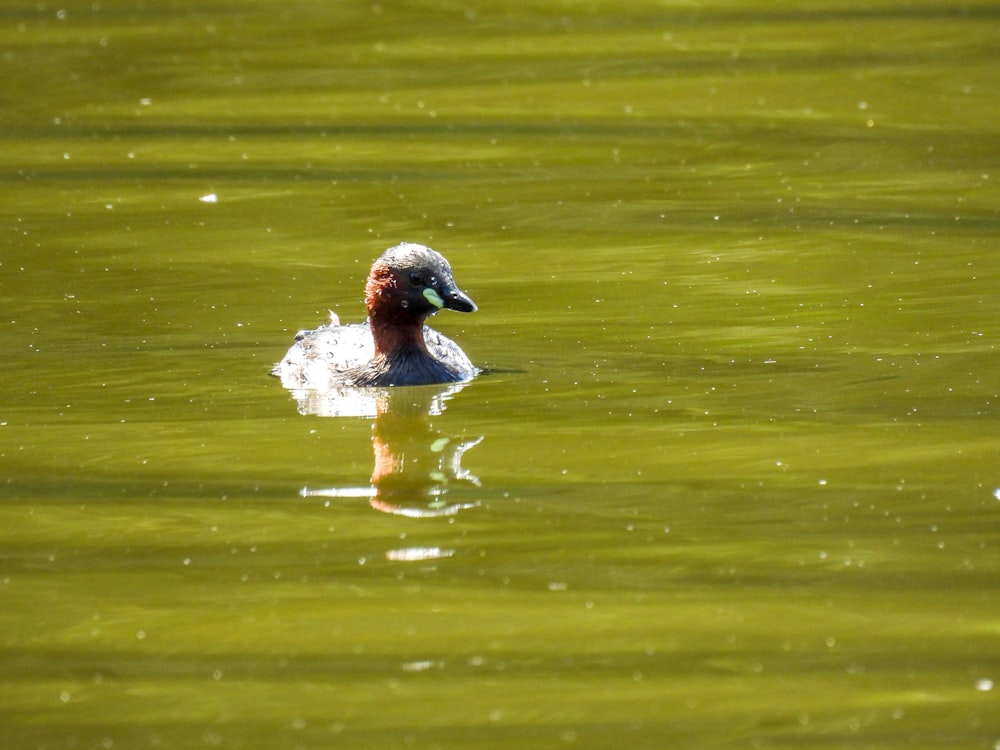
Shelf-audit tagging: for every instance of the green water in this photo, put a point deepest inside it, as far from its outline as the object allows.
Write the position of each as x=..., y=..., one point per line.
x=730, y=478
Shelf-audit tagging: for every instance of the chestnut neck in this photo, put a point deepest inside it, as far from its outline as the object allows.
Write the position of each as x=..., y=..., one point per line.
x=397, y=330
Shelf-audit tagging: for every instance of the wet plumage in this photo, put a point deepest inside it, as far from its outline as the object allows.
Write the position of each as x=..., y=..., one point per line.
x=407, y=284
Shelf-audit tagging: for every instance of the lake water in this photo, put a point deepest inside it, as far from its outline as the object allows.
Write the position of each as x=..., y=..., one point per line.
x=731, y=475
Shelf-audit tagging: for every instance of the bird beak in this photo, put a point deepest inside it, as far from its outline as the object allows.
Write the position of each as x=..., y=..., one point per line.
x=455, y=299
x=449, y=296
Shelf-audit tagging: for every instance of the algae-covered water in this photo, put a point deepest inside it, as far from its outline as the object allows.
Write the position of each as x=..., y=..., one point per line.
x=729, y=477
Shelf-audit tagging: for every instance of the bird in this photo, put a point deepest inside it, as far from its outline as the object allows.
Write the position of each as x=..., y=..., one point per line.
x=407, y=284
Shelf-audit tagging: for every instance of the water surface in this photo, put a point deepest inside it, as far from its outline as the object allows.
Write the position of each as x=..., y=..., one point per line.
x=729, y=478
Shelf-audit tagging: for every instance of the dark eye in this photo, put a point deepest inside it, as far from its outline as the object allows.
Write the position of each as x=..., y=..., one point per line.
x=417, y=279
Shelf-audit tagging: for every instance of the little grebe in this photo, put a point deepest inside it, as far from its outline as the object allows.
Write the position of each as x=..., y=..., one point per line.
x=407, y=284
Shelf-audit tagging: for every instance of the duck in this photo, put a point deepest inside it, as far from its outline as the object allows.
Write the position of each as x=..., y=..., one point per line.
x=394, y=347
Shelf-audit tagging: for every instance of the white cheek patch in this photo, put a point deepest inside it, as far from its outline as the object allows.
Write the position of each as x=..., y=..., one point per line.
x=433, y=297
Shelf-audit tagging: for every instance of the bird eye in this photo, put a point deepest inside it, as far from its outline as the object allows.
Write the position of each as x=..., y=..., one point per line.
x=417, y=279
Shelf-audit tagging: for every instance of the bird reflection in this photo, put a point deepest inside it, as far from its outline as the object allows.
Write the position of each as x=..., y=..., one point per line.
x=415, y=465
